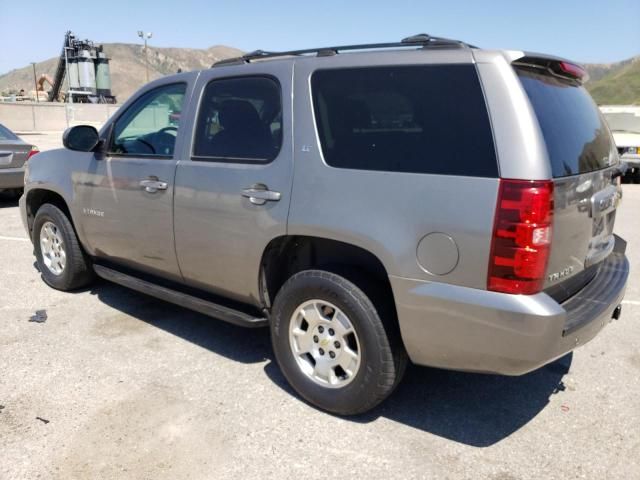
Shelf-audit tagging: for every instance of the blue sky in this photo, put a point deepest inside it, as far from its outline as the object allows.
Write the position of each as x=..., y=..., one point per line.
x=585, y=31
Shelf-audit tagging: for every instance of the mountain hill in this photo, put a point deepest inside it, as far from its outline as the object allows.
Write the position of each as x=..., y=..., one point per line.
x=128, y=66
x=614, y=83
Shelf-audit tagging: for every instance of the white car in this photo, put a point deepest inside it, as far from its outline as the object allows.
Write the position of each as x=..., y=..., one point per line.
x=624, y=122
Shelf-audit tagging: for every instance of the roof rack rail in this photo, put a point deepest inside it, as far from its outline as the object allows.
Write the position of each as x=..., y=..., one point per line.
x=422, y=39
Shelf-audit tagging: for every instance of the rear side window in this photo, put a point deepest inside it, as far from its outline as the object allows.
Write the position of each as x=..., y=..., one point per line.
x=240, y=119
x=576, y=135
x=415, y=119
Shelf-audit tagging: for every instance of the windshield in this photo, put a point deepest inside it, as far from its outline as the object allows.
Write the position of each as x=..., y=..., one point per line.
x=624, y=121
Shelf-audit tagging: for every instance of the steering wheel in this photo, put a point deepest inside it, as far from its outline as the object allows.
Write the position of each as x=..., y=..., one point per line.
x=168, y=129
x=144, y=142
x=165, y=139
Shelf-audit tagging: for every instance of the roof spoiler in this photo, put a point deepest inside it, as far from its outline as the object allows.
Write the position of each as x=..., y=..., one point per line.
x=556, y=66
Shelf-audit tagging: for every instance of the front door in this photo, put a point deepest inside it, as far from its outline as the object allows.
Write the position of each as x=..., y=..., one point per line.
x=232, y=195
x=127, y=196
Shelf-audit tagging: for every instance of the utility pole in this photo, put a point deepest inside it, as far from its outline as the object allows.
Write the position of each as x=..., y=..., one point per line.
x=145, y=36
x=35, y=81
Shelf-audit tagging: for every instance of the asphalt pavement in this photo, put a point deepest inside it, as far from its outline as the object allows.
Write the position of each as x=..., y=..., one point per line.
x=113, y=384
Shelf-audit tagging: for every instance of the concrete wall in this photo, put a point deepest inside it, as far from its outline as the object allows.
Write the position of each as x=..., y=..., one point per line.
x=48, y=117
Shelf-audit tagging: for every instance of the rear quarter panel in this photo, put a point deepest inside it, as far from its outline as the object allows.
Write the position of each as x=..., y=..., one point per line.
x=388, y=213
x=520, y=146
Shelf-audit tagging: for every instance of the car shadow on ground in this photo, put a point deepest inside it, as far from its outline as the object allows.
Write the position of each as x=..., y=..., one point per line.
x=8, y=200
x=473, y=409
x=245, y=345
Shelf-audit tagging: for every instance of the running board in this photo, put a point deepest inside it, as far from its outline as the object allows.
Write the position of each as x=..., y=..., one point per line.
x=184, y=300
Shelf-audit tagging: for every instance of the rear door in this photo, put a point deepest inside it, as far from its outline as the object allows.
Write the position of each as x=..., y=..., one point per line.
x=232, y=190
x=584, y=164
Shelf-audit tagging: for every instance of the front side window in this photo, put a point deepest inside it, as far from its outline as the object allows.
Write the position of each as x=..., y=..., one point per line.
x=149, y=127
x=413, y=119
x=240, y=119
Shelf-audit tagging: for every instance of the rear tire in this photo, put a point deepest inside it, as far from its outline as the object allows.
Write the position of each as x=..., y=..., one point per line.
x=331, y=344
x=61, y=260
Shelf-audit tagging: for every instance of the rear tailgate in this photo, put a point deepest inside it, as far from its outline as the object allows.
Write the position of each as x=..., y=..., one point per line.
x=584, y=164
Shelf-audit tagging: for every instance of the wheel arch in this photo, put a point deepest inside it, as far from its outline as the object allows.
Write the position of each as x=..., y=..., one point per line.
x=36, y=197
x=287, y=255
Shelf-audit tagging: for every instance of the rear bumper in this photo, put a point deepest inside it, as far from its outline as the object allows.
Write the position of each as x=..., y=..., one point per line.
x=11, y=178
x=467, y=329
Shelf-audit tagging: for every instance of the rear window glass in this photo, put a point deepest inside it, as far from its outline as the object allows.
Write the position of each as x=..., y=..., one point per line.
x=417, y=119
x=577, y=138
x=6, y=134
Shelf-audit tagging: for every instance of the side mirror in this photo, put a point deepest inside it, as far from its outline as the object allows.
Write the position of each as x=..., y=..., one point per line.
x=81, y=138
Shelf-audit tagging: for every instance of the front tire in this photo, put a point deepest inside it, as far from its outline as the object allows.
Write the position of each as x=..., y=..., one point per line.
x=61, y=260
x=331, y=344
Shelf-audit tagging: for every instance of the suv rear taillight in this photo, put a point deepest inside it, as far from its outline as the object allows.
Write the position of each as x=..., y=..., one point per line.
x=521, y=236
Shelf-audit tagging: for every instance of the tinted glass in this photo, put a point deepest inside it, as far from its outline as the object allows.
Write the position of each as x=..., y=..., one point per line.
x=239, y=119
x=420, y=119
x=150, y=125
x=6, y=134
x=577, y=138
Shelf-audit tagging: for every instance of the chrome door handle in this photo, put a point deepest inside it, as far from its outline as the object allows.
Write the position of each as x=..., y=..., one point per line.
x=152, y=186
x=259, y=195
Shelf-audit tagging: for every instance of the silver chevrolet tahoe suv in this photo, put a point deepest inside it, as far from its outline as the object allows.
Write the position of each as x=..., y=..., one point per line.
x=371, y=204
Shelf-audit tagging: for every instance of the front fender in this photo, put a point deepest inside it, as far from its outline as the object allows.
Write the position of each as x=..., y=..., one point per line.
x=53, y=171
